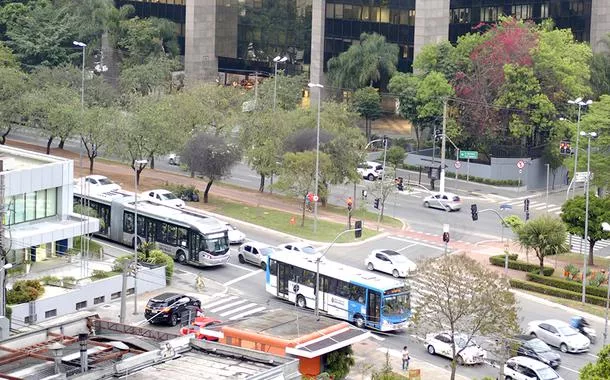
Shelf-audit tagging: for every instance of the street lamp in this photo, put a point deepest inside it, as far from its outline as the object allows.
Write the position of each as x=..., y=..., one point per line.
x=315, y=205
x=580, y=103
x=82, y=83
x=275, y=61
x=606, y=227
x=589, y=136
x=137, y=164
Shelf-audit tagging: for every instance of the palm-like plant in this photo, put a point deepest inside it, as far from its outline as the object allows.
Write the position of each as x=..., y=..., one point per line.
x=545, y=235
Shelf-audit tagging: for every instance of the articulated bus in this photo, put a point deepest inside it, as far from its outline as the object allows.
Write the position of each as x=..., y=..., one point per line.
x=354, y=295
x=188, y=237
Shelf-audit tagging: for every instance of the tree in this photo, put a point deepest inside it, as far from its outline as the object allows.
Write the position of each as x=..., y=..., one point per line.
x=600, y=69
x=339, y=362
x=210, y=156
x=152, y=76
x=597, y=119
x=13, y=83
x=7, y=58
x=573, y=215
x=450, y=293
x=545, y=235
x=600, y=369
x=382, y=189
x=372, y=61
x=367, y=102
x=396, y=156
x=289, y=93
x=439, y=58
x=96, y=130
x=146, y=39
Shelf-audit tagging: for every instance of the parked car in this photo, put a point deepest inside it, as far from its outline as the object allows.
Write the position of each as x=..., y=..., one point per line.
x=164, y=197
x=256, y=253
x=370, y=170
x=235, y=235
x=173, y=159
x=524, y=368
x=442, y=344
x=97, y=184
x=391, y=262
x=199, y=324
x=443, y=201
x=559, y=334
x=299, y=247
x=537, y=349
x=168, y=308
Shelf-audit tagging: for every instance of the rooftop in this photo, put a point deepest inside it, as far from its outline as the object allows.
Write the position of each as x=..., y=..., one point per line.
x=16, y=159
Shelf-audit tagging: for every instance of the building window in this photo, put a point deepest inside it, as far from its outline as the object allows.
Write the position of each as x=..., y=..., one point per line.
x=41, y=204
x=407, y=17
x=460, y=16
x=490, y=14
x=544, y=10
x=30, y=206
x=577, y=8
x=50, y=313
x=115, y=295
x=522, y=12
x=18, y=208
x=27, y=320
x=384, y=15
x=51, y=202
x=330, y=10
x=81, y=305
x=339, y=11
x=98, y=300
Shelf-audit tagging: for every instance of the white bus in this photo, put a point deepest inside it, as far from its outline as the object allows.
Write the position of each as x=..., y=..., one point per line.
x=188, y=237
x=358, y=296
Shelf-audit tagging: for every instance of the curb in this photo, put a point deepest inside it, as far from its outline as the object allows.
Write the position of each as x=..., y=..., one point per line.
x=558, y=306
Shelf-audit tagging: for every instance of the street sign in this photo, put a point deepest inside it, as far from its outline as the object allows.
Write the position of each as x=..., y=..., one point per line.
x=457, y=164
x=315, y=198
x=520, y=164
x=445, y=227
x=581, y=177
x=469, y=154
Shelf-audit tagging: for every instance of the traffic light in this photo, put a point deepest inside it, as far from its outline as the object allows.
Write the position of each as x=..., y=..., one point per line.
x=358, y=228
x=437, y=135
x=565, y=147
x=446, y=237
x=376, y=203
x=526, y=205
x=475, y=212
x=400, y=184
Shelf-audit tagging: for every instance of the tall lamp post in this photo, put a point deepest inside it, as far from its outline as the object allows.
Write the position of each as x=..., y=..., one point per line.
x=82, y=83
x=137, y=164
x=315, y=204
x=580, y=104
x=276, y=60
x=84, y=257
x=589, y=136
x=606, y=227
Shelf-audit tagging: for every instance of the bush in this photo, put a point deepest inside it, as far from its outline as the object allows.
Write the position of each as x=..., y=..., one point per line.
x=102, y=274
x=51, y=280
x=24, y=291
x=158, y=257
x=598, y=279
x=572, y=271
x=94, y=247
x=551, y=291
x=119, y=263
x=519, y=265
x=487, y=181
x=572, y=286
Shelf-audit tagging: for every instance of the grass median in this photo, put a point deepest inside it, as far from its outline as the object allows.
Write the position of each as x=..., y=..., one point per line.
x=281, y=221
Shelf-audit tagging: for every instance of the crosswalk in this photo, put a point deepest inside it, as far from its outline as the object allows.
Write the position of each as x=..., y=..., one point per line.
x=536, y=206
x=576, y=241
x=232, y=307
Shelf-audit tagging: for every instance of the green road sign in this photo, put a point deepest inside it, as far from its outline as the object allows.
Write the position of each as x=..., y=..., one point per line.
x=469, y=154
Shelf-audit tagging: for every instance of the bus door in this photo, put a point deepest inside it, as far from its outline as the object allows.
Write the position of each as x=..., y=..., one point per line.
x=283, y=275
x=151, y=230
x=373, y=308
x=194, y=241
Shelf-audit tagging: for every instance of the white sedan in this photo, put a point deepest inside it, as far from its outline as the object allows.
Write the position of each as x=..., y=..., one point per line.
x=163, y=197
x=299, y=247
x=468, y=352
x=559, y=334
x=235, y=235
x=443, y=201
x=391, y=262
x=97, y=184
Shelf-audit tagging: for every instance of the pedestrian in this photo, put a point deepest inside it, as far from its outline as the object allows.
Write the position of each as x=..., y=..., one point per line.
x=405, y=358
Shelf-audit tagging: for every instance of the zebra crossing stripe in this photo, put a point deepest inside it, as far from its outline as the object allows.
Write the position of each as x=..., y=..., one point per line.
x=239, y=316
x=224, y=307
x=238, y=309
x=218, y=302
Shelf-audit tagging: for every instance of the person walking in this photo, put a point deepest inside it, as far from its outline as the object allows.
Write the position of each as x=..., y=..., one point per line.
x=405, y=358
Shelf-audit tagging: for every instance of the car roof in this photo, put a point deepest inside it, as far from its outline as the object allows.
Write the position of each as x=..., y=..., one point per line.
x=164, y=297
x=257, y=244
x=160, y=191
x=528, y=362
x=298, y=244
x=388, y=252
x=555, y=322
x=96, y=176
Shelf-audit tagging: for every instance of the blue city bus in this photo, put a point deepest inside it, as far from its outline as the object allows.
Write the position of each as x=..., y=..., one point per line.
x=361, y=297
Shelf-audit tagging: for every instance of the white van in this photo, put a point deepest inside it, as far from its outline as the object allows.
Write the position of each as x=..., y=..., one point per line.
x=370, y=170
x=524, y=368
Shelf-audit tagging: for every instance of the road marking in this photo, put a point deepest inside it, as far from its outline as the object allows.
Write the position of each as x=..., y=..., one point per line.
x=238, y=279
x=375, y=336
x=241, y=267
x=407, y=247
x=225, y=307
x=416, y=242
x=595, y=356
x=218, y=302
x=238, y=316
x=237, y=309
x=569, y=369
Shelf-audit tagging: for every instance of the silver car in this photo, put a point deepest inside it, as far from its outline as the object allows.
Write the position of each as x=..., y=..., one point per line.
x=256, y=253
x=443, y=201
x=559, y=334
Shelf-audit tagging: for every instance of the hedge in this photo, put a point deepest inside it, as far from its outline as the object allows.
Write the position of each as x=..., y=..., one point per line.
x=598, y=291
x=24, y=291
x=520, y=265
x=551, y=291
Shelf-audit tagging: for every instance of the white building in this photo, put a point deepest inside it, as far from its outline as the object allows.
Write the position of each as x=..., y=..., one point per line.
x=39, y=221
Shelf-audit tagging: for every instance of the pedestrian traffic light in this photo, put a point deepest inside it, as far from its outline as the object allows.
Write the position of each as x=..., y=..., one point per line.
x=475, y=212
x=526, y=205
x=437, y=135
x=358, y=228
x=527, y=215
x=446, y=237
x=376, y=203
x=350, y=203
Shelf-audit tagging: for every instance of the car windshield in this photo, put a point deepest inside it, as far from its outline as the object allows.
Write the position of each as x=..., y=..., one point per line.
x=104, y=181
x=462, y=341
x=218, y=246
x=267, y=251
x=567, y=331
x=379, y=167
x=538, y=345
x=157, y=304
x=168, y=196
x=396, y=305
x=547, y=374
x=456, y=198
x=308, y=249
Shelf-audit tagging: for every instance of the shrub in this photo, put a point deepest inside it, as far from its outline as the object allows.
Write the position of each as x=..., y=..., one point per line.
x=158, y=257
x=50, y=280
x=520, y=265
x=572, y=286
x=598, y=279
x=556, y=292
x=102, y=274
x=94, y=247
x=571, y=271
x=119, y=263
x=24, y=291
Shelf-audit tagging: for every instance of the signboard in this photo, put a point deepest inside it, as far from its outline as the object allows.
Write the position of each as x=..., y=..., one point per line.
x=469, y=154
x=457, y=164
x=581, y=177
x=520, y=164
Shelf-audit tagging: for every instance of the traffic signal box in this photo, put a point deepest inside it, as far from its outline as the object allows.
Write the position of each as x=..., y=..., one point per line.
x=565, y=147
x=475, y=212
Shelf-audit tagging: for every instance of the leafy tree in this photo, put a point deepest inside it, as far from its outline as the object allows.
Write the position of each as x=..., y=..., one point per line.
x=96, y=130
x=600, y=369
x=367, y=102
x=144, y=39
x=13, y=83
x=405, y=85
x=600, y=69
x=451, y=292
x=545, y=235
x=152, y=76
x=210, y=156
x=440, y=58
x=7, y=58
x=289, y=92
x=396, y=156
x=339, y=362
x=372, y=61
x=597, y=119
x=573, y=215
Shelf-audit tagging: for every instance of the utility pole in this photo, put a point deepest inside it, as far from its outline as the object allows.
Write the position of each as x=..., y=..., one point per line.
x=2, y=248
x=124, y=291
x=443, y=144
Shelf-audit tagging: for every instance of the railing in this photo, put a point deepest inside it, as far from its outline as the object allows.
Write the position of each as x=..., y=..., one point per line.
x=101, y=325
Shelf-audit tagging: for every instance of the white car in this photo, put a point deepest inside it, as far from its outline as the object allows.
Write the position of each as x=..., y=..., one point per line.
x=97, y=184
x=173, y=159
x=442, y=344
x=235, y=235
x=388, y=261
x=443, y=201
x=370, y=170
x=559, y=334
x=299, y=247
x=255, y=253
x=164, y=197
x=524, y=368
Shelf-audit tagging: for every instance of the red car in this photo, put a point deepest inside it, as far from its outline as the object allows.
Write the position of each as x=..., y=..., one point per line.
x=199, y=324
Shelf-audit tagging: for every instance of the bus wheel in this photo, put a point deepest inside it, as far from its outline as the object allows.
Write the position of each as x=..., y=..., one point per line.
x=359, y=321
x=301, y=301
x=180, y=257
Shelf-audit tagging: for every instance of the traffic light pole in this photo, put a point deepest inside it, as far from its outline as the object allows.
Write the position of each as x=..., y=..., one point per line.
x=443, y=145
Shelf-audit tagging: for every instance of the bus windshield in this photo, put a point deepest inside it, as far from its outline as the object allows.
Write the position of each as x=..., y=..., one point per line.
x=396, y=305
x=218, y=245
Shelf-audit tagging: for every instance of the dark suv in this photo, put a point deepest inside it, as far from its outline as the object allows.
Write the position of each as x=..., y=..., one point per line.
x=169, y=308
x=536, y=349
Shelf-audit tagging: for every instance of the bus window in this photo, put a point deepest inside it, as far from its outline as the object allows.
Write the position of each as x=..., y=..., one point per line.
x=128, y=222
x=171, y=234
x=141, y=226
x=356, y=293
x=273, y=267
x=181, y=237
x=309, y=278
x=215, y=246
x=396, y=305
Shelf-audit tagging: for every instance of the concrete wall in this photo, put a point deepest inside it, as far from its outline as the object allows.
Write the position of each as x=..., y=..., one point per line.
x=200, y=61
x=431, y=22
x=600, y=23
x=148, y=280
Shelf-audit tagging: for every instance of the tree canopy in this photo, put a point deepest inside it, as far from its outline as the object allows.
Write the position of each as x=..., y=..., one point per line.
x=544, y=235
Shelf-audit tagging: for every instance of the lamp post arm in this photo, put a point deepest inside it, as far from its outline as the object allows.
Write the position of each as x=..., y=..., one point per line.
x=371, y=142
x=497, y=213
